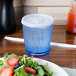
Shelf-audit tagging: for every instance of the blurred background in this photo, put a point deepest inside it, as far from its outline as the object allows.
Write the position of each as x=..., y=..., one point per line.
x=57, y=8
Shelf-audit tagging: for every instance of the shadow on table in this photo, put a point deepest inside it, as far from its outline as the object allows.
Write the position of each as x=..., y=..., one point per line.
x=45, y=57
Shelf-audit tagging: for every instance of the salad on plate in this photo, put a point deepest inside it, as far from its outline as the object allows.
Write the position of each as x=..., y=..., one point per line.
x=14, y=65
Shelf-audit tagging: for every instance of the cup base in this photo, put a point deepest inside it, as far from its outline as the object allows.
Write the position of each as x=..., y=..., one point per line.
x=42, y=53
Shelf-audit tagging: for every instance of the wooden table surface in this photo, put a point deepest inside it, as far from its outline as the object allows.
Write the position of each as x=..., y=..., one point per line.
x=65, y=57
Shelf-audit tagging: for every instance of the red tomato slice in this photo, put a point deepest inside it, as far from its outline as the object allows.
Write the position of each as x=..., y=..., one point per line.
x=30, y=70
x=7, y=71
x=12, y=61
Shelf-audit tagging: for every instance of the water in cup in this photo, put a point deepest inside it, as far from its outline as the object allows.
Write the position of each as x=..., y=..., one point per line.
x=37, y=30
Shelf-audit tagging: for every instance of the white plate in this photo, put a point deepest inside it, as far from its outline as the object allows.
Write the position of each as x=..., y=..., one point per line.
x=57, y=70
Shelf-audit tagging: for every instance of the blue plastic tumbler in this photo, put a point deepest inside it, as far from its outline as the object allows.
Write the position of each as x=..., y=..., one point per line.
x=37, y=30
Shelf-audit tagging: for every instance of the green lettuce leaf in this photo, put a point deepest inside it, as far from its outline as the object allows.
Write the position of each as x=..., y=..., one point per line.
x=3, y=65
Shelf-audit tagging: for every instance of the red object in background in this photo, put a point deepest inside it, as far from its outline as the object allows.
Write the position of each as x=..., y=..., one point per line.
x=71, y=22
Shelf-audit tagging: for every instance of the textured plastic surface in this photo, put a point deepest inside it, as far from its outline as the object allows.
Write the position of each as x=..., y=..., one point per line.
x=37, y=41
x=37, y=37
